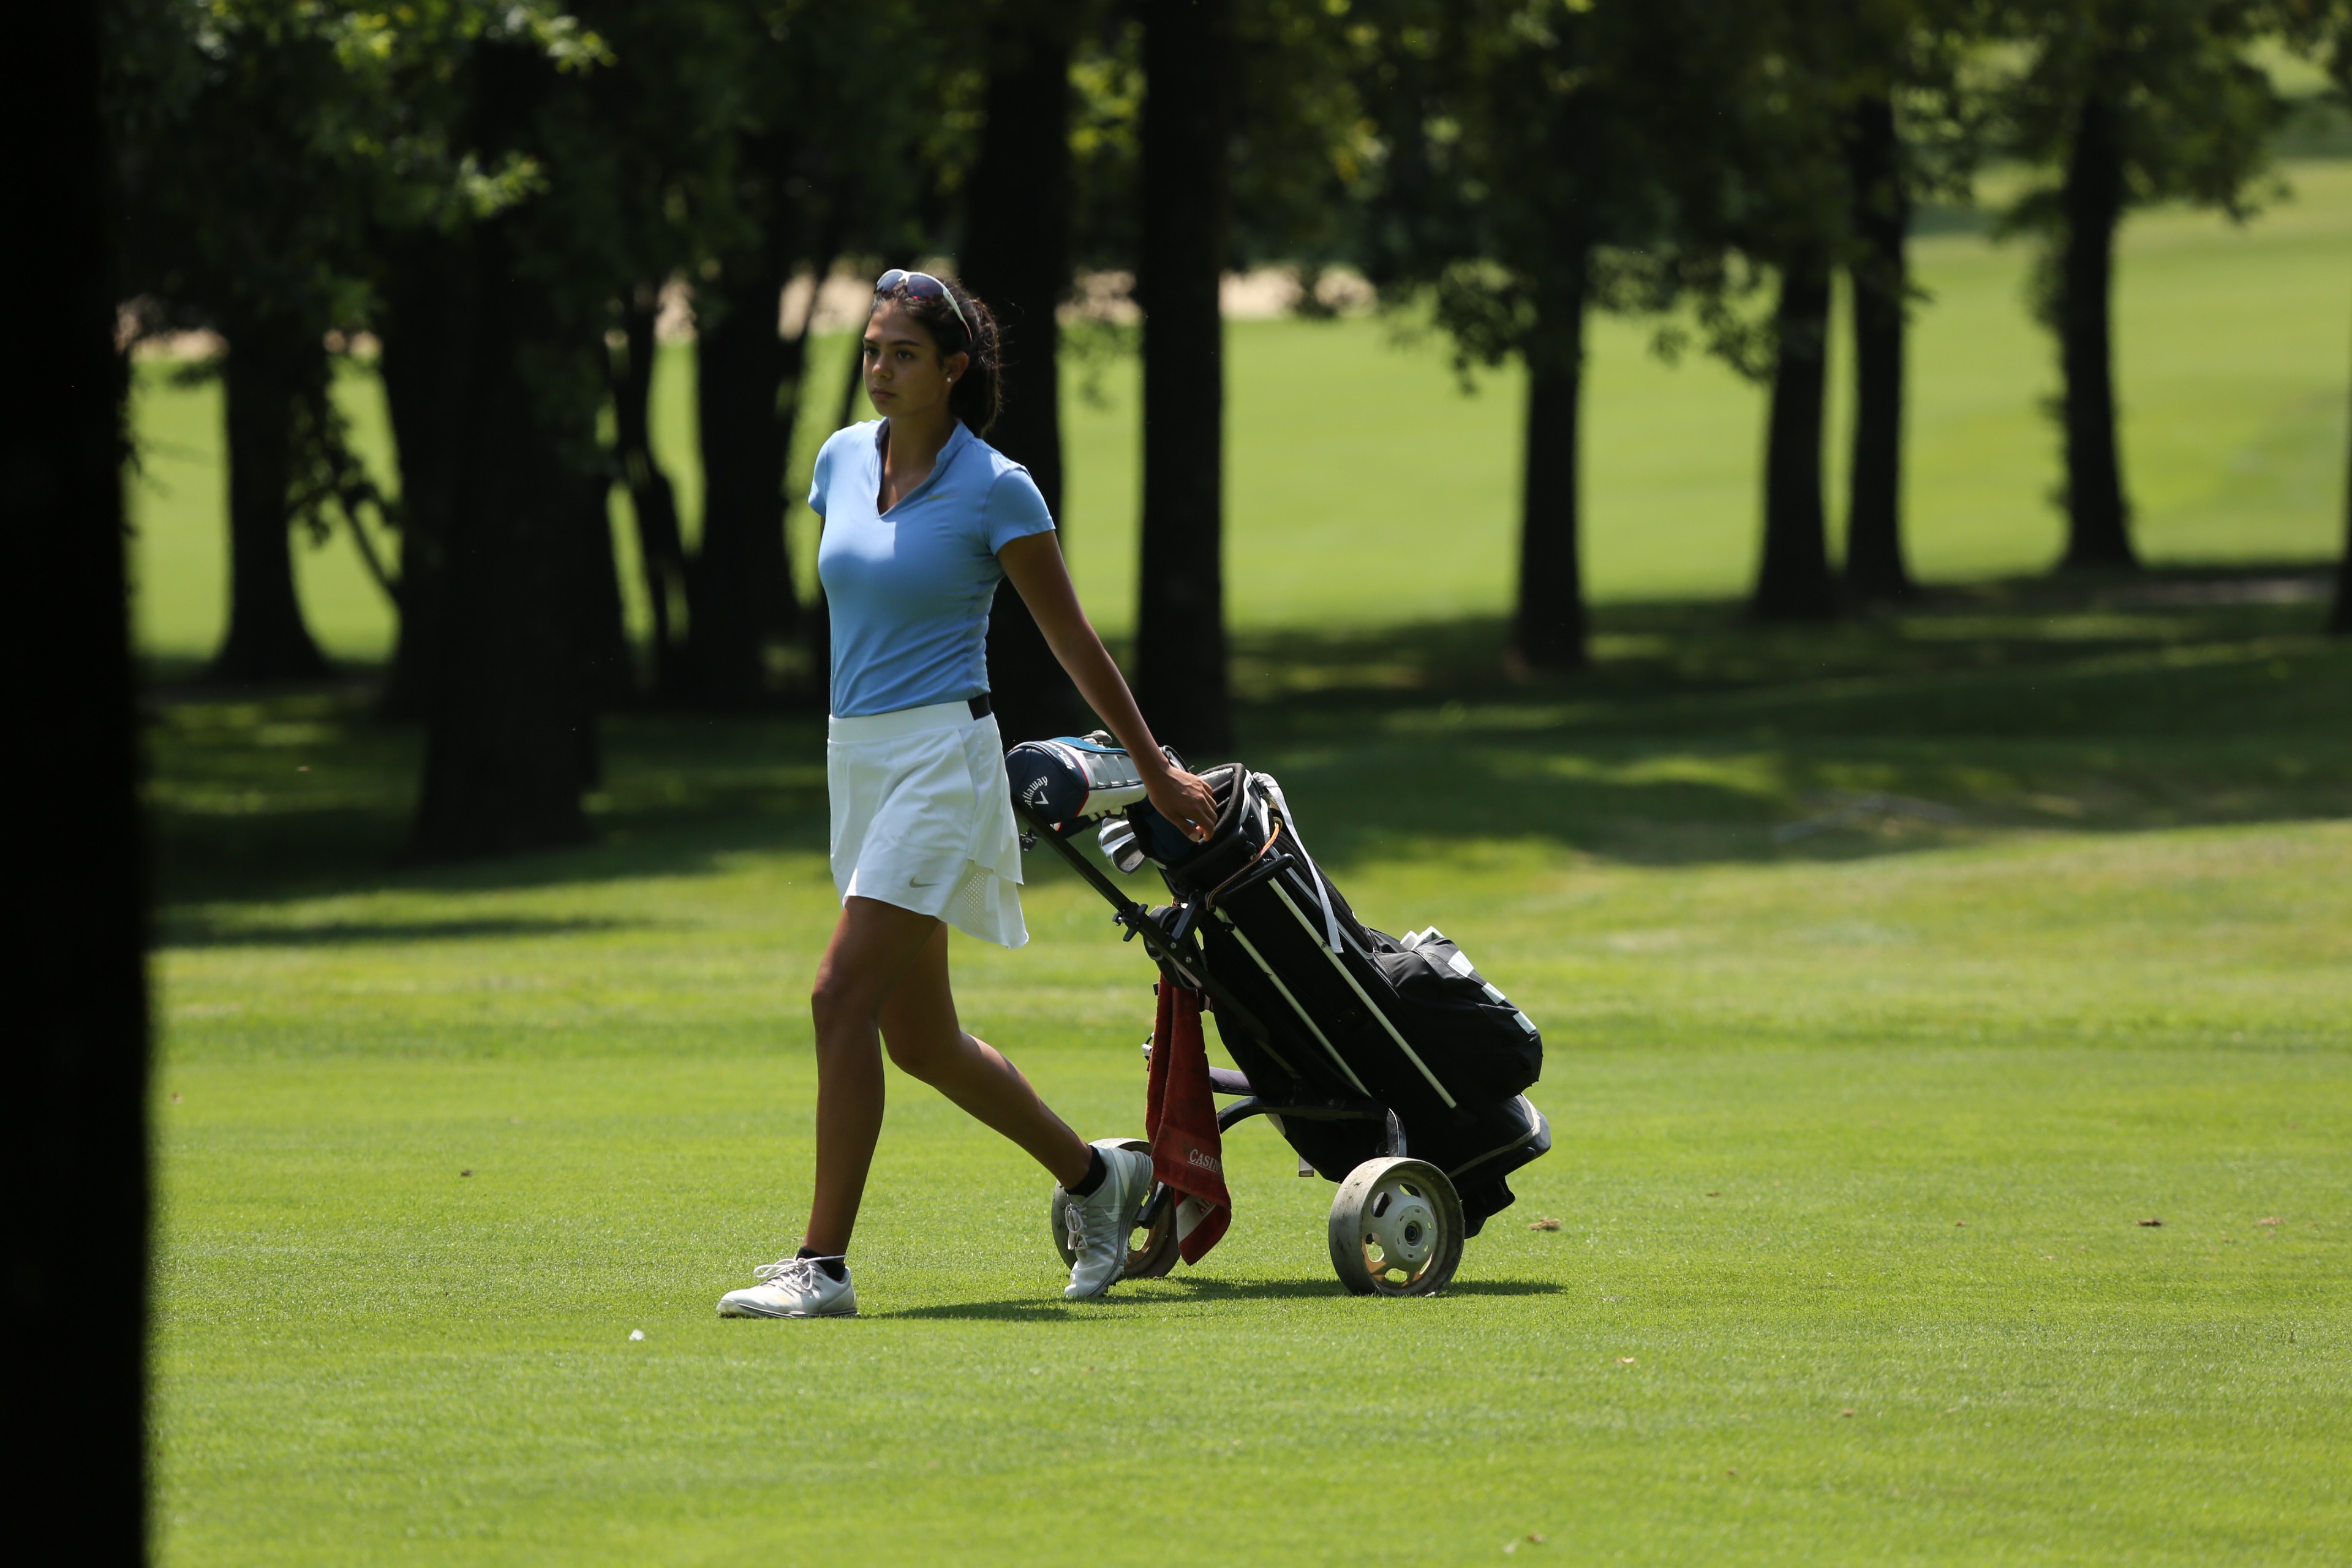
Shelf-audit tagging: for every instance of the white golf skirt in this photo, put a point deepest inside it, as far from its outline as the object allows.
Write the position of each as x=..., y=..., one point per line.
x=922, y=818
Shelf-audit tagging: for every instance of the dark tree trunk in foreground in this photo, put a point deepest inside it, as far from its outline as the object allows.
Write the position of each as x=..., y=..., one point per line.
x=1547, y=632
x=511, y=742
x=2339, y=621
x=1794, y=581
x=1874, y=567
x=269, y=369
x=748, y=378
x=428, y=334
x=816, y=632
x=77, y=1280
x=738, y=365
x=2098, y=516
x=661, y=547
x=1180, y=624
x=603, y=638
x=787, y=617
x=1017, y=259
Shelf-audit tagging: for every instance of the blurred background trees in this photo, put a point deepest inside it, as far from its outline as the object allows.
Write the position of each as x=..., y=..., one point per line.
x=508, y=204
x=1183, y=238
x=247, y=183
x=1019, y=228
x=1541, y=158
x=2124, y=104
x=2328, y=33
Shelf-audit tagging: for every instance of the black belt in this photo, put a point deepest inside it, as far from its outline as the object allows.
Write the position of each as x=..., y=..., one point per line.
x=979, y=706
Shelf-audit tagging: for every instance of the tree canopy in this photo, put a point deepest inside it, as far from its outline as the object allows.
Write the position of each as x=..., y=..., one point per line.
x=506, y=196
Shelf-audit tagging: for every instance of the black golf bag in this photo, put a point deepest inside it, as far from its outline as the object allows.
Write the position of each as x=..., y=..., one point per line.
x=1356, y=1043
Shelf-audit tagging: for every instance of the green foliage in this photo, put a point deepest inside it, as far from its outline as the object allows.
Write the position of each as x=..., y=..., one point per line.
x=276, y=152
x=2195, y=111
x=853, y=127
x=1541, y=154
x=1106, y=131
x=1301, y=150
x=265, y=144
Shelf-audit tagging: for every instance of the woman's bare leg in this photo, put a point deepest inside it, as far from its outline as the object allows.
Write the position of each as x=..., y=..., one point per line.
x=919, y=1025
x=872, y=947
x=886, y=970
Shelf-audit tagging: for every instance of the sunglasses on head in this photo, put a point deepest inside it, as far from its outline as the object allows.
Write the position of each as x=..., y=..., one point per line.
x=921, y=286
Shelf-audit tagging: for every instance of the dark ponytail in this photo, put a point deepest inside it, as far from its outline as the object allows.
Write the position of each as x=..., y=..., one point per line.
x=979, y=392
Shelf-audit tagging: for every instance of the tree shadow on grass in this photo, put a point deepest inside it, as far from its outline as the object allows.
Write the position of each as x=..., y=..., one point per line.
x=310, y=793
x=1202, y=1287
x=1697, y=736
x=194, y=931
x=1190, y=1289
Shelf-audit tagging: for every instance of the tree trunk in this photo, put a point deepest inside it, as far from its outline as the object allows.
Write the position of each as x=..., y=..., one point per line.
x=817, y=630
x=428, y=333
x=1180, y=627
x=748, y=378
x=510, y=741
x=1794, y=581
x=1874, y=567
x=2098, y=516
x=269, y=369
x=1017, y=259
x=853, y=385
x=2339, y=621
x=739, y=366
x=779, y=599
x=605, y=662
x=1549, y=629
x=661, y=547
x=78, y=1163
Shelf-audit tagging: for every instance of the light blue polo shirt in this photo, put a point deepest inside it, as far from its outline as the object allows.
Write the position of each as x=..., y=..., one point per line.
x=909, y=589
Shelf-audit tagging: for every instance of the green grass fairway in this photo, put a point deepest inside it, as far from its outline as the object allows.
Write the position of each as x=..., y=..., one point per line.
x=1363, y=489
x=1856, y=1130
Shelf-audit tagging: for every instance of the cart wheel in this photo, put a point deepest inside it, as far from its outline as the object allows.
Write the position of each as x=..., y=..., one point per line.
x=1396, y=1229
x=1150, y=1253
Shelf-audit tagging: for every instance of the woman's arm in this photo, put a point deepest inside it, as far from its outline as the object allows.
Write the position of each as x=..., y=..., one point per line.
x=1035, y=563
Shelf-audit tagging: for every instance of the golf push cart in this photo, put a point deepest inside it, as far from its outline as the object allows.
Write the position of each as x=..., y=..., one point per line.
x=1390, y=1064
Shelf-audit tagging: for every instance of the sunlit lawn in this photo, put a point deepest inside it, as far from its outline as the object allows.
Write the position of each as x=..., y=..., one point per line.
x=1861, y=1107
x=1893, y=975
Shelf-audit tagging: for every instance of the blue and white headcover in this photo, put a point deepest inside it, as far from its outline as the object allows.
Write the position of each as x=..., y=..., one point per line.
x=1073, y=778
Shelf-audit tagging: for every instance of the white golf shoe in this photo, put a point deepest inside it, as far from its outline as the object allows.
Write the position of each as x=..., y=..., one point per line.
x=793, y=1288
x=1099, y=1224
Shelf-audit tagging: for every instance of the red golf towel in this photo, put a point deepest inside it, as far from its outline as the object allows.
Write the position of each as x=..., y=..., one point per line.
x=1181, y=1119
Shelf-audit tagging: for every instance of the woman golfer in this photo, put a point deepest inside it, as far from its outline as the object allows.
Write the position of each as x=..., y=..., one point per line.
x=922, y=519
